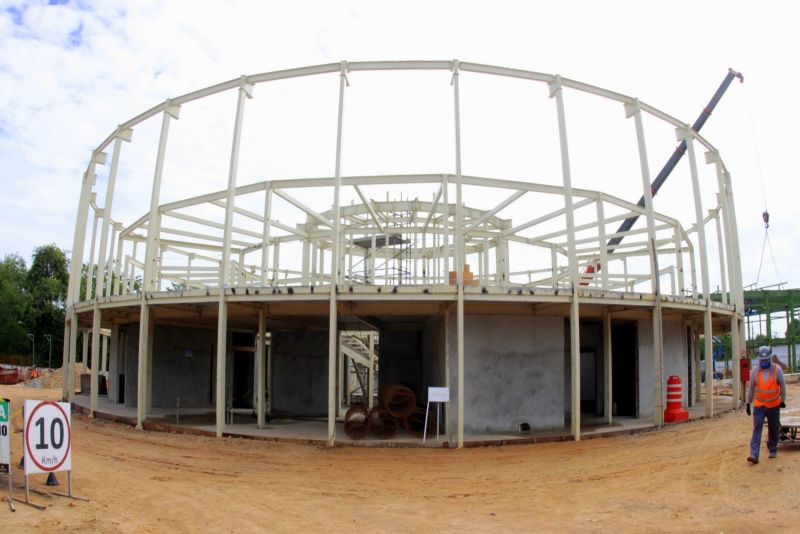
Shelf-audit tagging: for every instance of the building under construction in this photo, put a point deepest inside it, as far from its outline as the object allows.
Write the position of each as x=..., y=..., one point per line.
x=536, y=303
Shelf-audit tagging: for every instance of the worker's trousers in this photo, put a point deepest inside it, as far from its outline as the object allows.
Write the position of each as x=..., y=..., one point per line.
x=773, y=417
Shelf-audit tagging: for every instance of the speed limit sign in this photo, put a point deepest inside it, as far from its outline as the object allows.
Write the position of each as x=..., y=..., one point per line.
x=5, y=440
x=48, y=437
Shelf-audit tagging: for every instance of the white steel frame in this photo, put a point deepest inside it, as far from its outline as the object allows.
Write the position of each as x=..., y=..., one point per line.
x=364, y=244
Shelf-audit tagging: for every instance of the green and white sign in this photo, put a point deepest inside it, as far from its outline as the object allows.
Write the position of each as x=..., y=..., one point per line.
x=5, y=432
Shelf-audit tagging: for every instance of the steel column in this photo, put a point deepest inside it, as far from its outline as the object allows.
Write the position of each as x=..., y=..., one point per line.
x=245, y=92
x=635, y=111
x=459, y=260
x=333, y=335
x=574, y=310
x=701, y=236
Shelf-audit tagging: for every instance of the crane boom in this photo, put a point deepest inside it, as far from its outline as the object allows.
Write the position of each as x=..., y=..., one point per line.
x=669, y=166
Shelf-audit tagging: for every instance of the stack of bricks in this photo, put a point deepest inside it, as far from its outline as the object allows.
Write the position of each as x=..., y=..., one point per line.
x=469, y=278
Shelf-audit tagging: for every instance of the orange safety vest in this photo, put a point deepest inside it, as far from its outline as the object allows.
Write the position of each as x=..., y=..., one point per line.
x=767, y=393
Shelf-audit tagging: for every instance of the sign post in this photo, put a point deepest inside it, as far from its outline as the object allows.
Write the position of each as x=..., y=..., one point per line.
x=47, y=441
x=437, y=395
x=5, y=446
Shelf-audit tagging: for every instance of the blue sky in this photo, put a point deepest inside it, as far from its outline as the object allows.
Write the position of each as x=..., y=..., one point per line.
x=71, y=70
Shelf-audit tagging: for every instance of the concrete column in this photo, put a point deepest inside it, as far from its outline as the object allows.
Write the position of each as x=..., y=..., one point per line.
x=736, y=349
x=574, y=309
x=696, y=345
x=141, y=384
x=96, y=342
x=709, y=350
x=260, y=366
x=333, y=330
x=65, y=361
x=69, y=376
x=104, y=355
x=447, y=380
x=371, y=373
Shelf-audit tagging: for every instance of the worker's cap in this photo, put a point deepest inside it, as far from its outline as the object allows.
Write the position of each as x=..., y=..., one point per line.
x=764, y=353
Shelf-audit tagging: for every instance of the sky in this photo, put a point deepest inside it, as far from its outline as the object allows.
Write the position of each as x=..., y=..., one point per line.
x=70, y=71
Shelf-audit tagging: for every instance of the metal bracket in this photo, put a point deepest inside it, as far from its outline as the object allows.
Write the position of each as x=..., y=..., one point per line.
x=554, y=86
x=455, y=69
x=246, y=86
x=632, y=108
x=173, y=110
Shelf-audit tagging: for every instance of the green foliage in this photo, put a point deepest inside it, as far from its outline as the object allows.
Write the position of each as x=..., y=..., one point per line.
x=14, y=306
x=32, y=301
x=47, y=282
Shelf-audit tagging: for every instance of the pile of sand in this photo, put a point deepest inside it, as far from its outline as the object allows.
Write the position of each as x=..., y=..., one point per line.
x=54, y=378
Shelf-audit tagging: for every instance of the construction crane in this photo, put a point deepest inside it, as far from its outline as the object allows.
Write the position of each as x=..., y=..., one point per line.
x=594, y=266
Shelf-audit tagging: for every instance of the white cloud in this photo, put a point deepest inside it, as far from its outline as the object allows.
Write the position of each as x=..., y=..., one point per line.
x=70, y=73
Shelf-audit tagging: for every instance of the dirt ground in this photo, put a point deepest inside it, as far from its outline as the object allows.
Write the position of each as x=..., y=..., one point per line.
x=690, y=477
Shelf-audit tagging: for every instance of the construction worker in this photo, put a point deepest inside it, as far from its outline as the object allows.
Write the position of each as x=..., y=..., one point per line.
x=767, y=393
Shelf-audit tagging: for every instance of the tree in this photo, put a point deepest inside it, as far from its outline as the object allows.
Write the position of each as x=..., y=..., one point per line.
x=14, y=305
x=47, y=282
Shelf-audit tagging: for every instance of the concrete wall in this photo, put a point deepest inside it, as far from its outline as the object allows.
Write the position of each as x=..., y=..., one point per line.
x=300, y=373
x=183, y=365
x=675, y=362
x=513, y=372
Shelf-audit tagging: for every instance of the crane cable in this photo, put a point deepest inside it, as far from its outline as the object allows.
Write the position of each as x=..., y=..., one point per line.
x=765, y=215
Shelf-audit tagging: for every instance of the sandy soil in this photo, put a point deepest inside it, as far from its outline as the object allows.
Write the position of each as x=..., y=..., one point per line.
x=687, y=478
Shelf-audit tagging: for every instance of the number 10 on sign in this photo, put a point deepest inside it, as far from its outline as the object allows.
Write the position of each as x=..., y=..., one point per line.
x=48, y=437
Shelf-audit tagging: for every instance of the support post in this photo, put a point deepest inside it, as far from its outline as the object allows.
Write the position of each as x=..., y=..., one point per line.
x=333, y=331
x=74, y=286
x=245, y=91
x=686, y=133
x=734, y=264
x=574, y=309
x=260, y=366
x=150, y=267
x=459, y=260
x=601, y=227
x=633, y=110
x=266, y=233
x=101, y=276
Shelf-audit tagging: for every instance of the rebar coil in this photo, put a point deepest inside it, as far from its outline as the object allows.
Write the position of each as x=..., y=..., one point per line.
x=356, y=422
x=398, y=400
x=383, y=424
x=415, y=422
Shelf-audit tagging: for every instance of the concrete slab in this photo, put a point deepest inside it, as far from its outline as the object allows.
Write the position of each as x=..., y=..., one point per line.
x=314, y=431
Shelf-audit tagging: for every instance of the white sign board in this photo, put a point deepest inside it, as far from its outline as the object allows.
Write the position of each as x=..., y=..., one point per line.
x=438, y=394
x=48, y=437
x=5, y=432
